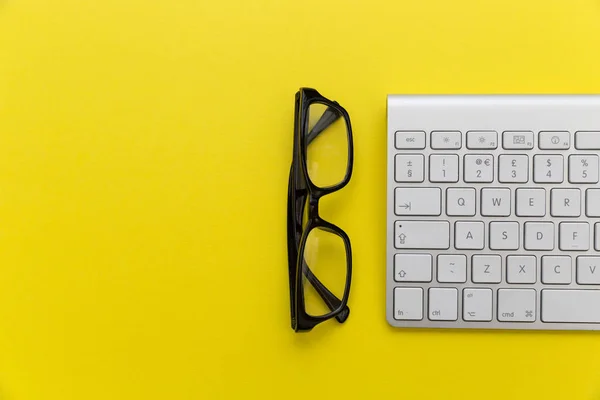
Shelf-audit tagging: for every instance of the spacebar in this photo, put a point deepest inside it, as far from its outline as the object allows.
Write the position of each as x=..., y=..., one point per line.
x=571, y=306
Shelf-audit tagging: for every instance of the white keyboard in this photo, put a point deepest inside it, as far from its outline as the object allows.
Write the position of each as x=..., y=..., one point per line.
x=493, y=212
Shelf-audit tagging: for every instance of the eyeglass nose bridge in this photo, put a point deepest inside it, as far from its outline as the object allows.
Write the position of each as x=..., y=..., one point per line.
x=313, y=208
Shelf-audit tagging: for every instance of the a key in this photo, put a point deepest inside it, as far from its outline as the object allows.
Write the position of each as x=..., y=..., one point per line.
x=539, y=235
x=513, y=168
x=521, y=269
x=574, y=236
x=477, y=304
x=588, y=270
x=452, y=268
x=408, y=303
x=443, y=168
x=460, y=201
x=443, y=304
x=469, y=235
x=597, y=235
x=422, y=234
x=410, y=139
x=504, y=235
x=409, y=167
x=495, y=202
x=446, y=140
x=570, y=306
x=556, y=270
x=531, y=202
x=486, y=269
x=587, y=140
x=479, y=168
x=592, y=202
x=516, y=305
x=418, y=201
x=412, y=267
x=583, y=169
x=559, y=140
x=482, y=140
x=565, y=202
x=548, y=168
x=512, y=140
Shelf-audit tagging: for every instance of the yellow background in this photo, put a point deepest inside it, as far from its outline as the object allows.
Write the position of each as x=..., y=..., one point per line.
x=144, y=153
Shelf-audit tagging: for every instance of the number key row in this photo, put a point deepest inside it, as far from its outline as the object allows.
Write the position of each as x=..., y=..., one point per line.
x=512, y=168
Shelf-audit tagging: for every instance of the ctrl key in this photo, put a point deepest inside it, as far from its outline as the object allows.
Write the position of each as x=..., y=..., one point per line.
x=408, y=303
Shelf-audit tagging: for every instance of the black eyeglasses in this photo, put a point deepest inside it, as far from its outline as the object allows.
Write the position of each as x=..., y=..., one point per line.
x=319, y=252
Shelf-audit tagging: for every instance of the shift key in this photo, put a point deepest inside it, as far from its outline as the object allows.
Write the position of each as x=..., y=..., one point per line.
x=422, y=234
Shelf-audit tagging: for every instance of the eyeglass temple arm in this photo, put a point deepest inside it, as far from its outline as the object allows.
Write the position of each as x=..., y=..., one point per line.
x=329, y=298
x=328, y=118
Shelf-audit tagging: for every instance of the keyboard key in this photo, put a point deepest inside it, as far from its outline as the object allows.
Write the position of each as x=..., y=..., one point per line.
x=516, y=305
x=422, y=234
x=512, y=140
x=592, y=202
x=409, y=167
x=452, y=268
x=482, y=140
x=443, y=168
x=539, y=235
x=513, y=168
x=408, y=303
x=570, y=306
x=451, y=140
x=477, y=304
x=521, y=269
x=410, y=140
x=495, y=202
x=587, y=140
x=560, y=140
x=583, y=169
x=469, y=235
x=531, y=202
x=412, y=267
x=574, y=236
x=479, y=168
x=548, y=168
x=486, y=269
x=443, y=304
x=418, y=201
x=588, y=270
x=556, y=270
x=504, y=235
x=597, y=236
x=460, y=201
x=565, y=202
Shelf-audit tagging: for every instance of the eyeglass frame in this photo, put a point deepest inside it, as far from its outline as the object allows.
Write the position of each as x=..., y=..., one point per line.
x=300, y=187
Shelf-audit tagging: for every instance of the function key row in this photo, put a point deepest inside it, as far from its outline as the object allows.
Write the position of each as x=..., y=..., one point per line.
x=511, y=140
x=512, y=168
